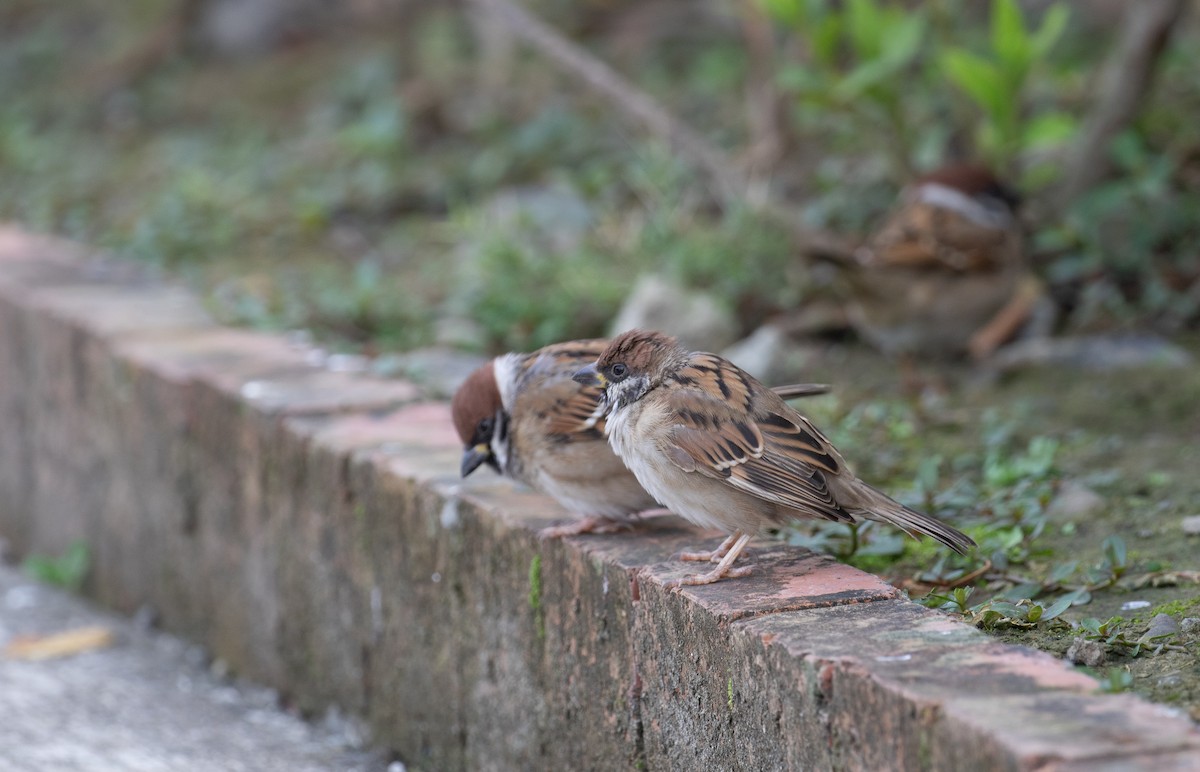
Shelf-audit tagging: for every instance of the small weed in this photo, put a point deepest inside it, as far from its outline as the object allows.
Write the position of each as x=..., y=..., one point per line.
x=1118, y=680
x=67, y=571
x=995, y=613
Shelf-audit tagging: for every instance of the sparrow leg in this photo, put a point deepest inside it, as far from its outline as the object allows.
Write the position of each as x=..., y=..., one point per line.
x=589, y=524
x=723, y=569
x=715, y=556
x=1008, y=320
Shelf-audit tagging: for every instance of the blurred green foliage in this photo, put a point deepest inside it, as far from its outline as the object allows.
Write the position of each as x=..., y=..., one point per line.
x=68, y=570
x=892, y=68
x=347, y=184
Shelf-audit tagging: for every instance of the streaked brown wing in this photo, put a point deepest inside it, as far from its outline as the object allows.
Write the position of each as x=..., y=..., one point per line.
x=767, y=450
x=792, y=435
x=566, y=409
x=905, y=239
x=923, y=235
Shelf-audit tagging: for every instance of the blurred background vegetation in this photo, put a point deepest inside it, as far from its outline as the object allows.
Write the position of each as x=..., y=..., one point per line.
x=396, y=173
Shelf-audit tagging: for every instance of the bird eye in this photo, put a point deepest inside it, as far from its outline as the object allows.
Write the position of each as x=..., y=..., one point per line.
x=618, y=371
x=485, y=426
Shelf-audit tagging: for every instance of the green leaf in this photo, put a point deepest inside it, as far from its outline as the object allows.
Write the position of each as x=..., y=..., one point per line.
x=980, y=79
x=928, y=472
x=1010, y=41
x=933, y=600
x=1049, y=130
x=787, y=12
x=865, y=28
x=862, y=78
x=800, y=79
x=1026, y=590
x=1119, y=680
x=990, y=617
x=1129, y=152
x=904, y=40
x=1062, y=571
x=1009, y=610
x=1054, y=23
x=825, y=38
x=67, y=570
x=1114, y=551
x=1062, y=604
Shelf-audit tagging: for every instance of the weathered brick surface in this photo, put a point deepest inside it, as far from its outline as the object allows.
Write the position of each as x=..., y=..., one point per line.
x=309, y=527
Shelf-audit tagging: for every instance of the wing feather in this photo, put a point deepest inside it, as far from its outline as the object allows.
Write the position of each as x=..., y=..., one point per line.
x=568, y=412
x=766, y=449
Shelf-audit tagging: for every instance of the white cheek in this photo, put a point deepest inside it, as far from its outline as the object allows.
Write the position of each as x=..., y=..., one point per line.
x=500, y=451
x=500, y=441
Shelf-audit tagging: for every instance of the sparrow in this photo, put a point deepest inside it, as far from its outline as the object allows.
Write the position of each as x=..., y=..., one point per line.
x=716, y=447
x=524, y=416
x=946, y=272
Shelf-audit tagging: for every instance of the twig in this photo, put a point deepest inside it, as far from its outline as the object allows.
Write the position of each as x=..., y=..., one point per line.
x=1123, y=83
x=731, y=185
x=966, y=579
x=962, y=581
x=764, y=106
x=602, y=78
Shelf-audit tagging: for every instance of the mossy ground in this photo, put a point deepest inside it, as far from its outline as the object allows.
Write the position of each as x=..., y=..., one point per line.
x=1129, y=435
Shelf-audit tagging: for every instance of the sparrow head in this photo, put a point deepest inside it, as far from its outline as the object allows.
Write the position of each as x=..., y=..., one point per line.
x=634, y=362
x=478, y=416
x=977, y=181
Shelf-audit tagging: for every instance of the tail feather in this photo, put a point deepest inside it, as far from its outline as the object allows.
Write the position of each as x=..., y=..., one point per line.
x=886, y=509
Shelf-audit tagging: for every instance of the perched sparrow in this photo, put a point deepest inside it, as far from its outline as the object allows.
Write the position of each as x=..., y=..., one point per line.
x=715, y=446
x=945, y=274
x=524, y=416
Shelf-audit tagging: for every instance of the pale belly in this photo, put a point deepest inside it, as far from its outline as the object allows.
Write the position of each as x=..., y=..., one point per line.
x=701, y=500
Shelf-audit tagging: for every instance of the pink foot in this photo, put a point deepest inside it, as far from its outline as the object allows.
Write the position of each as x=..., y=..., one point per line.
x=729, y=550
x=589, y=524
x=715, y=575
x=715, y=556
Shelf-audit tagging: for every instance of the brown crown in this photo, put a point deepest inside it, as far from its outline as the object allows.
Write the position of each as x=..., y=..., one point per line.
x=639, y=349
x=476, y=399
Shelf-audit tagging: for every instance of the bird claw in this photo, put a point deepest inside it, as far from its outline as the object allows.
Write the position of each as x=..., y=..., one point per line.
x=714, y=556
x=716, y=575
x=591, y=524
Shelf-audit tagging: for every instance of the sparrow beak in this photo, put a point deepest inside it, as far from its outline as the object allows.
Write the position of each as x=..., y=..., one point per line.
x=474, y=457
x=589, y=376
